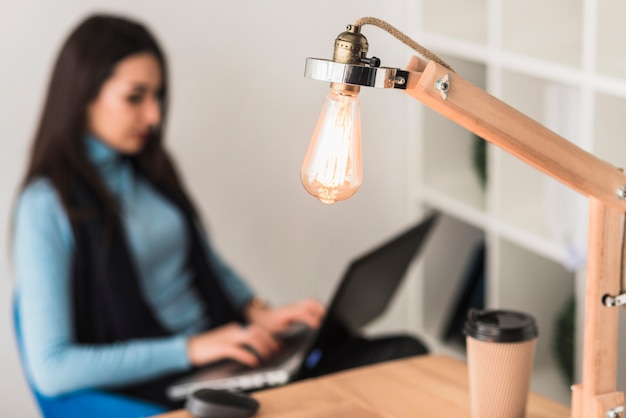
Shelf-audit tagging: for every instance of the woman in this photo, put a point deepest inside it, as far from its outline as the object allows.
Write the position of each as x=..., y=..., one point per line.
x=117, y=285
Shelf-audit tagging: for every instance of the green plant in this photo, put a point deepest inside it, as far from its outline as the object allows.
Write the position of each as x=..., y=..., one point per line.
x=564, y=335
x=479, y=159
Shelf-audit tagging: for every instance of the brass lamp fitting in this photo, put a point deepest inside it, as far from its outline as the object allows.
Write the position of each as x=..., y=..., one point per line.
x=350, y=48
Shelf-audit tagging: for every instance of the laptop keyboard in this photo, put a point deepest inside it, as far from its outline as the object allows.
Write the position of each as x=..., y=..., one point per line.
x=291, y=346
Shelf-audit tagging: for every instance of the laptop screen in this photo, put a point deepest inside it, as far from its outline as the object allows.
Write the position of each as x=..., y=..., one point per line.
x=371, y=280
x=368, y=287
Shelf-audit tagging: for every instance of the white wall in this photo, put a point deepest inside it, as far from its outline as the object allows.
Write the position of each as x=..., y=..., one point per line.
x=239, y=126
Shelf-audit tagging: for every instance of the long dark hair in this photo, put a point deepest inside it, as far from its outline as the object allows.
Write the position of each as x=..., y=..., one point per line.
x=85, y=62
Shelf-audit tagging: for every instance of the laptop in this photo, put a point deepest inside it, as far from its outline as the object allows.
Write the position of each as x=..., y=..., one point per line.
x=363, y=294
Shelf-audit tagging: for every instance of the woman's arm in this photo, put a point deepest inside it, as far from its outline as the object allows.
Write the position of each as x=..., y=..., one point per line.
x=42, y=253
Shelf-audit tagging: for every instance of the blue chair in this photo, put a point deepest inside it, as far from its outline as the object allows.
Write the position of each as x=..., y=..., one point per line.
x=84, y=403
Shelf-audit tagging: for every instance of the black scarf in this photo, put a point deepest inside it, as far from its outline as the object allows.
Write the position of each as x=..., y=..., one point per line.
x=108, y=304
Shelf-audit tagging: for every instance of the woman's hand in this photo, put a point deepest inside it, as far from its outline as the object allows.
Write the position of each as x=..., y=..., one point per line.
x=229, y=342
x=278, y=320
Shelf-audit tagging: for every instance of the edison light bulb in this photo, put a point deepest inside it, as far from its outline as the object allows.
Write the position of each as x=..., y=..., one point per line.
x=332, y=167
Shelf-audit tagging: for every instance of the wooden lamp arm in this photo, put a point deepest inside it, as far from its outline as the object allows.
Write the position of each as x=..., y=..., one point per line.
x=516, y=133
x=528, y=140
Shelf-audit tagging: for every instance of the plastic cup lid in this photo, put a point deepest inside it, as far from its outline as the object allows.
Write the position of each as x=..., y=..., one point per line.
x=500, y=326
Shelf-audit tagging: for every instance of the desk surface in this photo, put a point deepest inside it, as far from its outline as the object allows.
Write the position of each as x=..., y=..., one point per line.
x=436, y=386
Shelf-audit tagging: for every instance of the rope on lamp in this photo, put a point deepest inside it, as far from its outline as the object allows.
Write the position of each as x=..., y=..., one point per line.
x=403, y=38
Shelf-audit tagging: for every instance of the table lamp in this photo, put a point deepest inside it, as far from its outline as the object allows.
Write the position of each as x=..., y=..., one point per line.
x=332, y=171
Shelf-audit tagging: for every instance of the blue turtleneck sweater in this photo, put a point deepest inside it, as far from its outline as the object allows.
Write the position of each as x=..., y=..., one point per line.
x=43, y=247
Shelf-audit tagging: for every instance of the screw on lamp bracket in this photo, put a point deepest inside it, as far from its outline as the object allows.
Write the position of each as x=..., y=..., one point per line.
x=614, y=301
x=443, y=85
x=615, y=412
x=621, y=193
x=372, y=62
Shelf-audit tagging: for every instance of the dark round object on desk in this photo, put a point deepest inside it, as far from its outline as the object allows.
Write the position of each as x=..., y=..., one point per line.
x=211, y=403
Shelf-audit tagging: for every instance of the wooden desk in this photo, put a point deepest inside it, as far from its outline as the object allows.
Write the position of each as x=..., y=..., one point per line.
x=426, y=386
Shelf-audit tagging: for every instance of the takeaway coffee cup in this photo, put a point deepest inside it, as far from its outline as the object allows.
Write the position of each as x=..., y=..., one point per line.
x=500, y=352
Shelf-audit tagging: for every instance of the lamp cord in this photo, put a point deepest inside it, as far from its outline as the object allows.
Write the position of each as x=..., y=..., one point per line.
x=403, y=38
